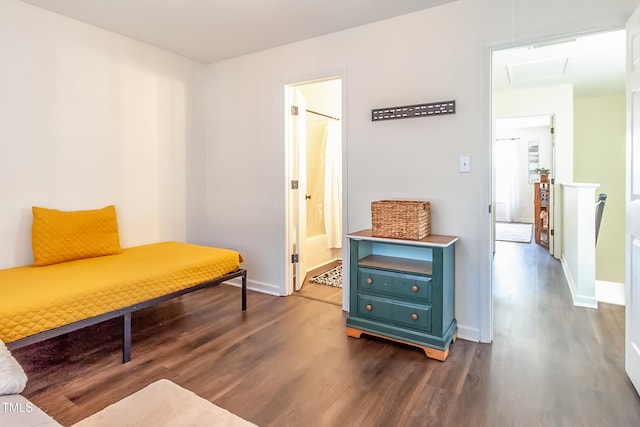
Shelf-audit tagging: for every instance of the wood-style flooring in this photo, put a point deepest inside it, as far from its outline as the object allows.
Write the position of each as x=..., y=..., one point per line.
x=288, y=362
x=315, y=291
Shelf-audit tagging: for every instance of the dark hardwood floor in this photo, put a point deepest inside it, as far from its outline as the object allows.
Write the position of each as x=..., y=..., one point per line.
x=288, y=362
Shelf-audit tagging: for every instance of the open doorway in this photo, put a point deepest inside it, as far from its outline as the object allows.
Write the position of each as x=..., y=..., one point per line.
x=575, y=79
x=523, y=149
x=580, y=80
x=315, y=208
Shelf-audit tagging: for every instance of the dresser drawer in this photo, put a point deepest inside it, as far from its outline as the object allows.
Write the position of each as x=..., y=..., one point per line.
x=416, y=288
x=402, y=314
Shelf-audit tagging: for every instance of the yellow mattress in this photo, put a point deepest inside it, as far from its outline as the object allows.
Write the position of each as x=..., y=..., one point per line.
x=36, y=299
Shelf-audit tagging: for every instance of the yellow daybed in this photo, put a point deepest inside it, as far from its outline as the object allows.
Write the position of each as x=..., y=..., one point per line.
x=42, y=302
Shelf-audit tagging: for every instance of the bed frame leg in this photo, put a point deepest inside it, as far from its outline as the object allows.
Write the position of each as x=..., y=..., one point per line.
x=126, y=338
x=244, y=291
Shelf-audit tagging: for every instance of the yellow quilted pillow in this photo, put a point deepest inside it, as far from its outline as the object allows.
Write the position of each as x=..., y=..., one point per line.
x=59, y=236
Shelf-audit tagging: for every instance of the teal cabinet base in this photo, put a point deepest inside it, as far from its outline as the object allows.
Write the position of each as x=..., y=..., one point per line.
x=433, y=346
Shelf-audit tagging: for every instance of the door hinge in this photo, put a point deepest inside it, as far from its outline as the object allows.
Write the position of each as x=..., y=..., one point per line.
x=294, y=184
x=553, y=131
x=552, y=232
x=553, y=181
x=294, y=258
x=294, y=110
x=489, y=208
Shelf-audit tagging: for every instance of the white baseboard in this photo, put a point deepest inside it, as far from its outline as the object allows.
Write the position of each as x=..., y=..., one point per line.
x=252, y=285
x=610, y=292
x=578, y=300
x=468, y=334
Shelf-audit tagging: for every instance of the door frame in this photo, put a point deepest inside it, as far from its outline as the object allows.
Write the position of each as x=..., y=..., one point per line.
x=632, y=208
x=290, y=195
x=486, y=288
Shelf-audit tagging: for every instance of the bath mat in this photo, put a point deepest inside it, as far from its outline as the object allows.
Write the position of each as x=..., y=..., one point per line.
x=332, y=277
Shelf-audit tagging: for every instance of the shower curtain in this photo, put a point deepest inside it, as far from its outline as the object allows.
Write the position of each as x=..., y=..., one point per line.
x=333, y=184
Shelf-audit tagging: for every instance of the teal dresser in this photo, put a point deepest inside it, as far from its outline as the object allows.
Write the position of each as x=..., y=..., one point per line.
x=403, y=290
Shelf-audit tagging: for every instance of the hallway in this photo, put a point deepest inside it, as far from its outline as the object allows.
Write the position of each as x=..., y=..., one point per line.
x=558, y=363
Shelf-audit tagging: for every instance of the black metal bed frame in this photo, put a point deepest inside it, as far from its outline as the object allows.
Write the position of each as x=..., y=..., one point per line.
x=126, y=315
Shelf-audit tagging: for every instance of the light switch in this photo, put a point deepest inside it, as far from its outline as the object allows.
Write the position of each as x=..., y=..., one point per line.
x=465, y=164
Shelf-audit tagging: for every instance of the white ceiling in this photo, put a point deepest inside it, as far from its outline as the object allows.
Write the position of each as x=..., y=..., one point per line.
x=594, y=64
x=212, y=30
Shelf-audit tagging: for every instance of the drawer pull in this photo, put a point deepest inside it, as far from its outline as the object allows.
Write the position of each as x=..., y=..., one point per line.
x=369, y=307
x=414, y=288
x=414, y=316
x=369, y=280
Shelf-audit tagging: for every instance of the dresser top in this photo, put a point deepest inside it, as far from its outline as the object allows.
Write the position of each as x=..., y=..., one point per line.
x=431, y=240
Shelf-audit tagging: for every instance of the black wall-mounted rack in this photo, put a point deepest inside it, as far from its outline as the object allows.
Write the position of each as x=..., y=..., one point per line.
x=416, y=110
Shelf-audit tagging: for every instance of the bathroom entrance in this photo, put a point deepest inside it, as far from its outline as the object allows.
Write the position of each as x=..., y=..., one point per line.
x=315, y=206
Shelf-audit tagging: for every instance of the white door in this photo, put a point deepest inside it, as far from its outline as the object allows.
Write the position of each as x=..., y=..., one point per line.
x=632, y=312
x=299, y=199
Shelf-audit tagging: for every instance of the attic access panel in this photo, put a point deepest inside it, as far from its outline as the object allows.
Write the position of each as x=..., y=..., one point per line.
x=411, y=111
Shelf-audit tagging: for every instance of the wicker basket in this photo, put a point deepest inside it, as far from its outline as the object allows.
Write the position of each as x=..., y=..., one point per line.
x=401, y=219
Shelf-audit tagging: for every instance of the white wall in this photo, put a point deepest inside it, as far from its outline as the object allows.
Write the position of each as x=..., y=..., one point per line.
x=554, y=100
x=579, y=250
x=433, y=55
x=600, y=152
x=90, y=118
x=415, y=158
